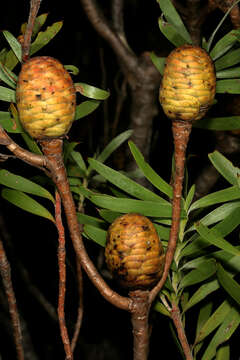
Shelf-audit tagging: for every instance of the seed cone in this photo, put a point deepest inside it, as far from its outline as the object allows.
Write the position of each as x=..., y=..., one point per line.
x=134, y=253
x=189, y=83
x=46, y=98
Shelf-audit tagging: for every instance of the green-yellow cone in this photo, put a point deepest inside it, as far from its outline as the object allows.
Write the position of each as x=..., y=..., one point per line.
x=189, y=83
x=46, y=98
x=134, y=253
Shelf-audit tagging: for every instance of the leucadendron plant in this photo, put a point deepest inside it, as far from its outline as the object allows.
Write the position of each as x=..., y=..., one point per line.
x=174, y=255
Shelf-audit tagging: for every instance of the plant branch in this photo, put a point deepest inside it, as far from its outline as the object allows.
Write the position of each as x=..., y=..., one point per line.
x=139, y=318
x=80, y=307
x=181, y=132
x=25, y=155
x=5, y=271
x=34, y=7
x=53, y=152
x=62, y=278
x=177, y=320
x=101, y=25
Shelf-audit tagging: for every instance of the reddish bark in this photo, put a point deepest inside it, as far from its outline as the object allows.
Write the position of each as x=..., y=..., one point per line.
x=181, y=132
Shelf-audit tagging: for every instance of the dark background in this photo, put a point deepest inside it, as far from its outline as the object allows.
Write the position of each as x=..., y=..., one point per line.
x=106, y=331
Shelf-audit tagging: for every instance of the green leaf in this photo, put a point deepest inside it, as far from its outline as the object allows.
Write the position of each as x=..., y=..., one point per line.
x=230, y=59
x=228, y=194
x=26, y=203
x=163, y=231
x=219, y=123
x=214, y=238
x=109, y=215
x=204, y=271
x=224, y=44
x=91, y=92
x=86, y=108
x=124, y=183
x=89, y=220
x=225, y=167
x=214, y=321
x=223, y=353
x=174, y=19
x=7, y=76
x=189, y=197
x=39, y=22
x=147, y=208
x=14, y=44
x=7, y=94
x=96, y=234
x=229, y=284
x=72, y=69
x=159, y=307
x=223, y=334
x=149, y=173
x=202, y=292
x=113, y=145
x=171, y=33
x=31, y=144
x=228, y=73
x=158, y=62
x=8, y=123
x=229, y=86
x=22, y=184
x=44, y=37
x=77, y=157
x=204, y=314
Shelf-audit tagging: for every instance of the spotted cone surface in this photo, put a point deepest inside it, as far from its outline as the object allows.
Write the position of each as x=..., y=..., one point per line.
x=46, y=98
x=189, y=83
x=134, y=253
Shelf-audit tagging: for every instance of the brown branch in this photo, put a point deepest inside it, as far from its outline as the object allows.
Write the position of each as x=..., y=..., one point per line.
x=139, y=318
x=62, y=278
x=117, y=18
x=53, y=152
x=34, y=7
x=25, y=155
x=181, y=132
x=101, y=25
x=80, y=307
x=5, y=271
x=177, y=320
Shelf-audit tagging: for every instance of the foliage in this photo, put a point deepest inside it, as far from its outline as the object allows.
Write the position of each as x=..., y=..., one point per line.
x=206, y=263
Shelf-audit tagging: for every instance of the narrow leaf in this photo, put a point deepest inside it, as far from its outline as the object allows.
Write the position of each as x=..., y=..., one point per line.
x=229, y=284
x=149, y=173
x=77, y=157
x=86, y=108
x=7, y=76
x=228, y=194
x=225, y=167
x=22, y=184
x=44, y=37
x=89, y=220
x=8, y=123
x=124, y=183
x=229, y=86
x=173, y=18
x=219, y=123
x=14, y=44
x=223, y=353
x=204, y=271
x=230, y=59
x=26, y=203
x=171, y=33
x=96, y=234
x=201, y=294
x=158, y=62
x=7, y=94
x=91, y=92
x=224, y=44
x=113, y=145
x=214, y=238
x=228, y=73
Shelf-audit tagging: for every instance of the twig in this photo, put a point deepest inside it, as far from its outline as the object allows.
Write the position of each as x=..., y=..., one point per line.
x=80, y=307
x=53, y=152
x=34, y=7
x=177, y=320
x=5, y=271
x=25, y=155
x=62, y=278
x=139, y=318
x=181, y=133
